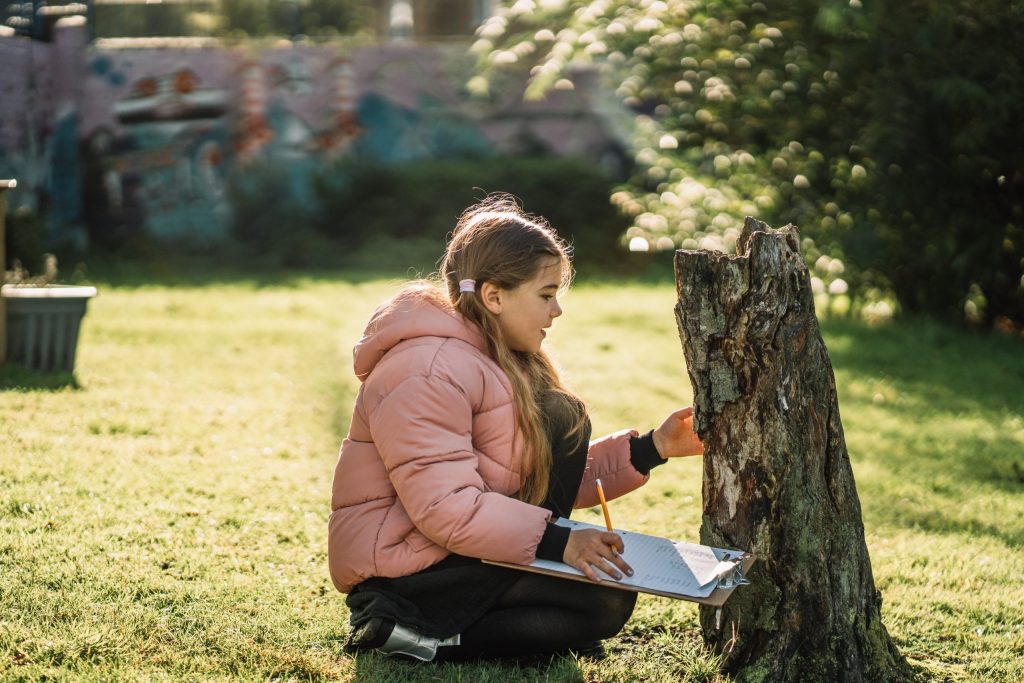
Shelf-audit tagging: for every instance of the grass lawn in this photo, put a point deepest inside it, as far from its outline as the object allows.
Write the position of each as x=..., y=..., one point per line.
x=163, y=514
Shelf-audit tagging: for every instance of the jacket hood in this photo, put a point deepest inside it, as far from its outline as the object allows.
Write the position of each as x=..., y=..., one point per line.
x=414, y=312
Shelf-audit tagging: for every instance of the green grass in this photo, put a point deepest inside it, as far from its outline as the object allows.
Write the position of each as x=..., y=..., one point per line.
x=163, y=512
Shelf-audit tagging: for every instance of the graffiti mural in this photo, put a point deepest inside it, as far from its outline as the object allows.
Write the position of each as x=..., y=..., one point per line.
x=26, y=116
x=138, y=138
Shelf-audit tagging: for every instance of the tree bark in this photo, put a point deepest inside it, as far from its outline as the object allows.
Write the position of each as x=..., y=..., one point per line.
x=777, y=476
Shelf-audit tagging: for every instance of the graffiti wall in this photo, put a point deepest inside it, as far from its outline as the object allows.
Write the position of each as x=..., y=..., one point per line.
x=134, y=137
x=26, y=113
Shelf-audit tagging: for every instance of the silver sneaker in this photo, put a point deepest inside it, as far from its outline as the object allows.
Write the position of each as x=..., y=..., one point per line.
x=405, y=641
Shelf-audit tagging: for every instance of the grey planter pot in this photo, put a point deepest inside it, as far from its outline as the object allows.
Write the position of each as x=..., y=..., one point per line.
x=43, y=324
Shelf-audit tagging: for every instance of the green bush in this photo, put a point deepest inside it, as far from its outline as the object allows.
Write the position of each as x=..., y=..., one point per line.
x=25, y=240
x=320, y=18
x=269, y=221
x=888, y=132
x=232, y=18
x=946, y=135
x=424, y=200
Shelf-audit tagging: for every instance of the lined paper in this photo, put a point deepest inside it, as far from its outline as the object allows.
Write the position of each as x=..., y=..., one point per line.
x=661, y=564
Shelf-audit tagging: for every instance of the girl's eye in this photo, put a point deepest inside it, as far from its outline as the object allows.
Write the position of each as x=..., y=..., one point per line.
x=547, y=297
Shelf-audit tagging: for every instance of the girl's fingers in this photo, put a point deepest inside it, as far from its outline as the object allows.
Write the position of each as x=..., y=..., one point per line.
x=599, y=553
x=599, y=563
x=611, y=564
x=621, y=564
x=613, y=540
x=588, y=571
x=608, y=569
x=614, y=548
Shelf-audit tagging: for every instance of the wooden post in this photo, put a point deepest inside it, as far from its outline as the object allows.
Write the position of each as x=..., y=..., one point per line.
x=777, y=475
x=4, y=186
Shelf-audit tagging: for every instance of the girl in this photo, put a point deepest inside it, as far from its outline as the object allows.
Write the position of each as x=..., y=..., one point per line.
x=465, y=445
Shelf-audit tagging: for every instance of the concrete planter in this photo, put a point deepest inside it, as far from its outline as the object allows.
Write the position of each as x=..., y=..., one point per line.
x=43, y=324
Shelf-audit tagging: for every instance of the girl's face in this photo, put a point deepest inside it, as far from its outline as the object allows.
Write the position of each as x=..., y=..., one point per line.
x=526, y=311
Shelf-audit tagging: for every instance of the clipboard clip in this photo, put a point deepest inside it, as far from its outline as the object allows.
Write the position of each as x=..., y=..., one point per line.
x=734, y=577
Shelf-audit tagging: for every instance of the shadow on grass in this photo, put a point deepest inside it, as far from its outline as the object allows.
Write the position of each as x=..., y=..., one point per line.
x=949, y=369
x=380, y=259
x=232, y=265
x=934, y=521
x=371, y=666
x=201, y=274
x=940, y=375
x=14, y=377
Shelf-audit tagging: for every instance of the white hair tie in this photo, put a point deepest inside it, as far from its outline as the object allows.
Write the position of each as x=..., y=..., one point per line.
x=467, y=285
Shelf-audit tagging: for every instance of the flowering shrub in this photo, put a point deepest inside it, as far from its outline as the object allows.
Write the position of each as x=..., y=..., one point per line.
x=788, y=112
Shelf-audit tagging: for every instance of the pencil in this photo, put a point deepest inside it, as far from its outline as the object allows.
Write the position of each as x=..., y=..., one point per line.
x=604, y=506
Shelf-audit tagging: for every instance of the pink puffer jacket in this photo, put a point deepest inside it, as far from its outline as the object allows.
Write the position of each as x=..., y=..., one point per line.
x=430, y=465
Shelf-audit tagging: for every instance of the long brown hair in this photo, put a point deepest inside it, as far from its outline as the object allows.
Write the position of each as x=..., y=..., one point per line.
x=495, y=241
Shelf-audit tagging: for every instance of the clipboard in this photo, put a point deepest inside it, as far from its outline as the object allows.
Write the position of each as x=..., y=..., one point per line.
x=661, y=566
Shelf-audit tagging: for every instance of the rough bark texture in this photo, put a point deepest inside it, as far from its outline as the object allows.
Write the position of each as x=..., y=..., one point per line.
x=777, y=476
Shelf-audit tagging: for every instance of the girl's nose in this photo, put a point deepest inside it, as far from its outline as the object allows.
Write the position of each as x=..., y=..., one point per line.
x=556, y=310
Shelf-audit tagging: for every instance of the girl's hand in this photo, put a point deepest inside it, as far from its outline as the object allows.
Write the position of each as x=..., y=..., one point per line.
x=675, y=437
x=589, y=548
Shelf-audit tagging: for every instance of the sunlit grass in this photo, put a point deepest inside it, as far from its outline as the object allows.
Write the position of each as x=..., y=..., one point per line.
x=163, y=513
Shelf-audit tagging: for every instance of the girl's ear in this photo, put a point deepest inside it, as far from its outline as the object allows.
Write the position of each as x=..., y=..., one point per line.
x=490, y=295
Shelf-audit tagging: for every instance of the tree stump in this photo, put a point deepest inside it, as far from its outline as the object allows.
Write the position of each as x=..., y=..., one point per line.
x=777, y=476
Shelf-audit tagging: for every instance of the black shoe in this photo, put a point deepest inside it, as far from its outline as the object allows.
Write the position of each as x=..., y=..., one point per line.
x=370, y=635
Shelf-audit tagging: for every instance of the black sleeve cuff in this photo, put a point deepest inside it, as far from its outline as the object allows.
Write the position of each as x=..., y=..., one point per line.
x=552, y=543
x=643, y=454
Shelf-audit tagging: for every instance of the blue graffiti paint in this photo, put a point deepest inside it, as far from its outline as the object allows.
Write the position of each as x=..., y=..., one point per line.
x=65, y=189
x=451, y=135
x=389, y=131
x=172, y=177
x=396, y=134
x=100, y=65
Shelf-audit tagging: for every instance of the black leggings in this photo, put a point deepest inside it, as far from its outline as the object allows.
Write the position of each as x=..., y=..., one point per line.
x=541, y=614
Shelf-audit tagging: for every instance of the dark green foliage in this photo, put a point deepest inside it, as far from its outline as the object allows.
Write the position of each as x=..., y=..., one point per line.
x=24, y=240
x=236, y=18
x=364, y=213
x=424, y=200
x=945, y=128
x=269, y=221
x=147, y=20
x=257, y=18
x=888, y=131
